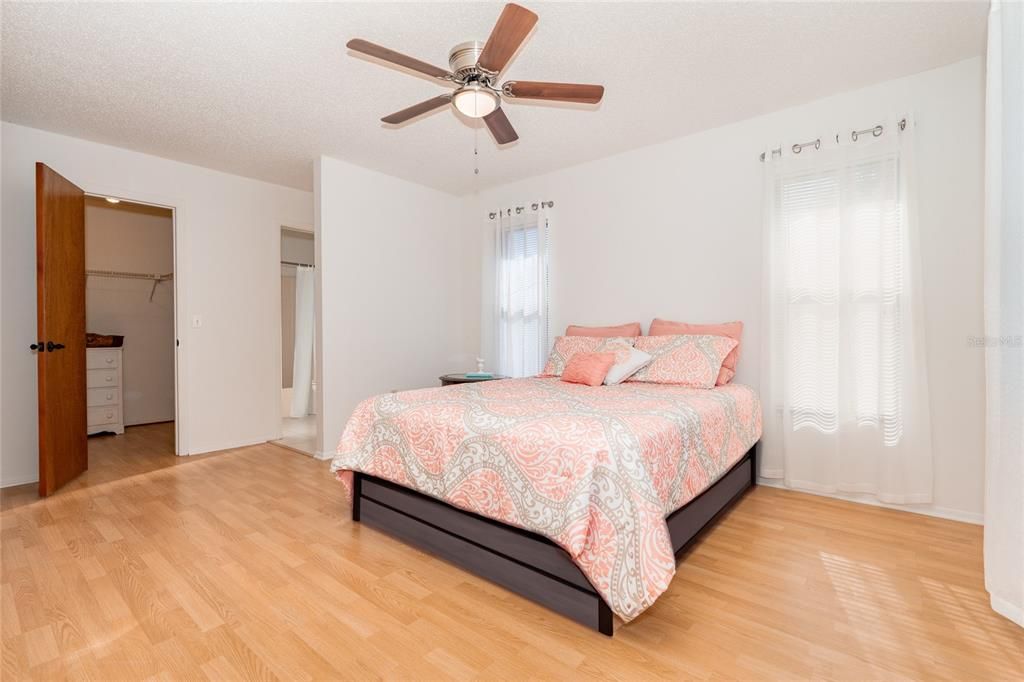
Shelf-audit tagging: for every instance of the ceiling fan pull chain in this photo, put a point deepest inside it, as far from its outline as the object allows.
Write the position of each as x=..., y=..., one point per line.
x=476, y=150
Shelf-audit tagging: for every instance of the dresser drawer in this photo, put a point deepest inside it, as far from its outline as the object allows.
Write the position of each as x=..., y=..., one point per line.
x=110, y=414
x=98, y=397
x=100, y=378
x=102, y=358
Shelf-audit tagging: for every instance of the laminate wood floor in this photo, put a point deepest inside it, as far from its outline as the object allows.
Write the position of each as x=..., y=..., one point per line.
x=244, y=565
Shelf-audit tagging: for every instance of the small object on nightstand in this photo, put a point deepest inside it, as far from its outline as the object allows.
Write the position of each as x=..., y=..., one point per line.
x=469, y=378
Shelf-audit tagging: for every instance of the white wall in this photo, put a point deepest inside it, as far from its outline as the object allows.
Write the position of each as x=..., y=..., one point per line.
x=674, y=230
x=391, y=257
x=229, y=231
x=132, y=238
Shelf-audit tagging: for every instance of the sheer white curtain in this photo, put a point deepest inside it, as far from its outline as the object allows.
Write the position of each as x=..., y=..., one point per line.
x=844, y=385
x=302, y=364
x=1004, y=311
x=521, y=308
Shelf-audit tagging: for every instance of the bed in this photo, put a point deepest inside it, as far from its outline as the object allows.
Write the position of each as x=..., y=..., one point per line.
x=579, y=498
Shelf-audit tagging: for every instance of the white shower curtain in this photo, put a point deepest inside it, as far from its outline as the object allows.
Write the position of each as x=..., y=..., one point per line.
x=302, y=364
x=1004, y=311
x=844, y=387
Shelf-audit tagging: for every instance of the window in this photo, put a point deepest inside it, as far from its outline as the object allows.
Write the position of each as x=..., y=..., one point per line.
x=842, y=228
x=844, y=378
x=522, y=292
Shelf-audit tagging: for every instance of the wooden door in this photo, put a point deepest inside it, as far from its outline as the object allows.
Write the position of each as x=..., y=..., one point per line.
x=60, y=282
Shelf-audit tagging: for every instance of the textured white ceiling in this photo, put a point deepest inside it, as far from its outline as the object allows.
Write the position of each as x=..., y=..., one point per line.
x=262, y=89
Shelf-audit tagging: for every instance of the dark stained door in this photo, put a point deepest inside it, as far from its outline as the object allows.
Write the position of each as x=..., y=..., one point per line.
x=60, y=282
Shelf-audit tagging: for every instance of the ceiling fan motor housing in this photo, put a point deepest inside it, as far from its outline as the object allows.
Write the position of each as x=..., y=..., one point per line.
x=462, y=60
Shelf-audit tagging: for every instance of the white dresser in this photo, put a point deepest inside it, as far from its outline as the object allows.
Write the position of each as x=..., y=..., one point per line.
x=103, y=390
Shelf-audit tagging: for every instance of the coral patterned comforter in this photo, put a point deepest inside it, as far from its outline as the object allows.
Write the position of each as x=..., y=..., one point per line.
x=594, y=469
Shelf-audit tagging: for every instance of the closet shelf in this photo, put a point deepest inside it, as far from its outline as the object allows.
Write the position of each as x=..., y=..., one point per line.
x=155, y=278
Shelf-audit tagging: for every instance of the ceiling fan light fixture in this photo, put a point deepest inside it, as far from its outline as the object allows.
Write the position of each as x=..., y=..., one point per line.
x=474, y=100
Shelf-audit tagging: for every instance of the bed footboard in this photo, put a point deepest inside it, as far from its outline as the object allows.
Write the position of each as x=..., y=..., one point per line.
x=524, y=562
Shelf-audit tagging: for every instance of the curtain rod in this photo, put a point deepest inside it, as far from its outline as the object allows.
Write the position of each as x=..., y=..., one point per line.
x=519, y=209
x=854, y=135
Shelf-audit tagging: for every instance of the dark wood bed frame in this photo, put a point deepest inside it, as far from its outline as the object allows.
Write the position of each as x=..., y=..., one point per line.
x=521, y=561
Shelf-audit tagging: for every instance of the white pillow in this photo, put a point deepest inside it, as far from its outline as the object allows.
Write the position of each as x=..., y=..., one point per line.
x=621, y=371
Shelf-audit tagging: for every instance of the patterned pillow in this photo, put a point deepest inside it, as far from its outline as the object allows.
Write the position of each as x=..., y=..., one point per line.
x=734, y=330
x=683, y=360
x=567, y=346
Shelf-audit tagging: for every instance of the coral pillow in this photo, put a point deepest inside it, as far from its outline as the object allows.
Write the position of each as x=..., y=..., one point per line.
x=685, y=360
x=567, y=346
x=733, y=330
x=631, y=329
x=588, y=368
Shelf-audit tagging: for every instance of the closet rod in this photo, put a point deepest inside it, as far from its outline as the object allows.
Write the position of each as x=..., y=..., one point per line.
x=305, y=265
x=117, y=274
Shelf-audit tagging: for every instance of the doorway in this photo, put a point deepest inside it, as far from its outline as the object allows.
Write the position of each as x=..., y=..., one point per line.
x=298, y=321
x=131, y=400
x=93, y=353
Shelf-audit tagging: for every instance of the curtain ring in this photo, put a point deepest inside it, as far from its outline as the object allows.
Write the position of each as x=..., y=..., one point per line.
x=876, y=131
x=797, y=149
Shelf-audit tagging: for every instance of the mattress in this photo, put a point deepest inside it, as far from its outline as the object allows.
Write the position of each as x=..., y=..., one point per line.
x=594, y=469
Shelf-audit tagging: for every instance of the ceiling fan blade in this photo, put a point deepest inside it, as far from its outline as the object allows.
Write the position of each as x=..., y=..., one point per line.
x=514, y=24
x=560, y=92
x=417, y=109
x=497, y=123
x=374, y=50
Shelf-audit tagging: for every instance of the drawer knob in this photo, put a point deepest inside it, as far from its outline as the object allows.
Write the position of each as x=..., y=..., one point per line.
x=110, y=396
x=110, y=415
x=109, y=379
x=110, y=361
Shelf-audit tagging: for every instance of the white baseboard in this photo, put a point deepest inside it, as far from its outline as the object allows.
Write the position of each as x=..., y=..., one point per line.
x=925, y=509
x=324, y=455
x=18, y=480
x=1007, y=610
x=207, y=448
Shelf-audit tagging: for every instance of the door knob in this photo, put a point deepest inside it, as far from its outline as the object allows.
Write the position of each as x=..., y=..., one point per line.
x=51, y=346
x=39, y=347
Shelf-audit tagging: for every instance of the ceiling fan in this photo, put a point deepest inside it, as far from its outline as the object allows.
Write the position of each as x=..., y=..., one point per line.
x=474, y=69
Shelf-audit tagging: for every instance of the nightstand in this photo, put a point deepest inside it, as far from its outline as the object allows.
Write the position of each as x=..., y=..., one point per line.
x=450, y=379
